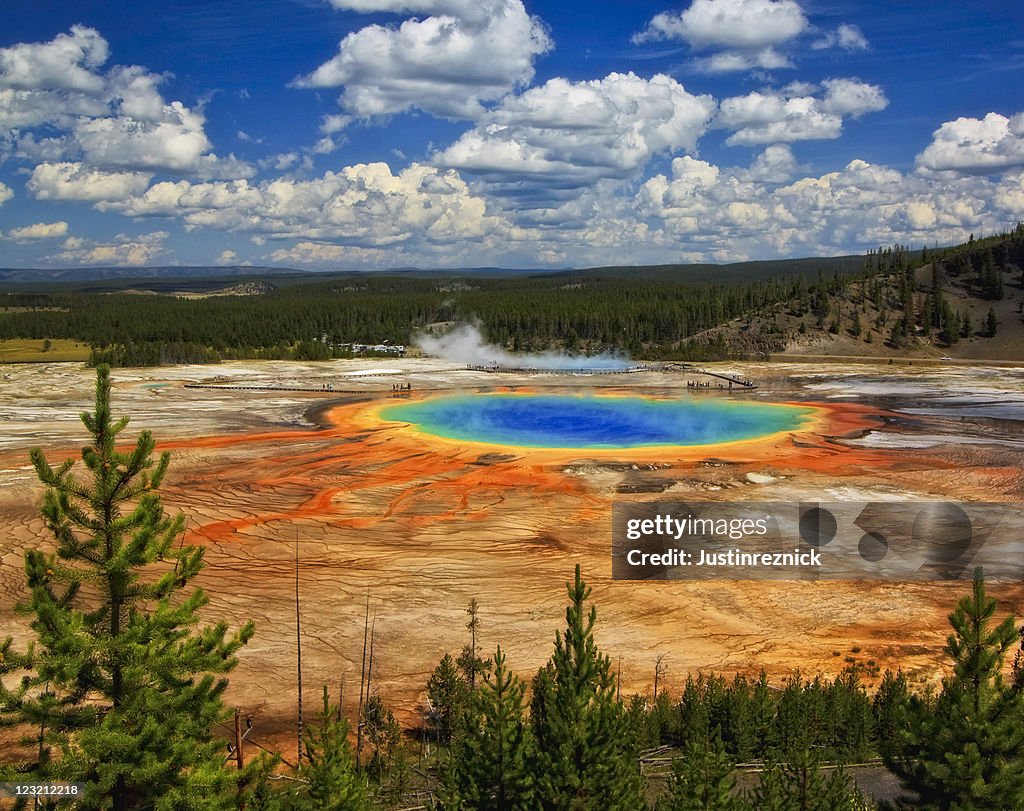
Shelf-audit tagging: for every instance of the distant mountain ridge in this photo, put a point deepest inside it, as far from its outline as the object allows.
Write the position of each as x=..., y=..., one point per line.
x=33, y=275
x=695, y=273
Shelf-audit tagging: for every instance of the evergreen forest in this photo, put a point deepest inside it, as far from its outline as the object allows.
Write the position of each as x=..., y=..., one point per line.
x=898, y=294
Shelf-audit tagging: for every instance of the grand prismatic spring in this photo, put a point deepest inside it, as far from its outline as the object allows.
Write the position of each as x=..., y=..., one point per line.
x=402, y=498
x=553, y=421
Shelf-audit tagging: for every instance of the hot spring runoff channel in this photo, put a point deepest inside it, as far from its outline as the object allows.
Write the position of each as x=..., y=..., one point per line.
x=564, y=421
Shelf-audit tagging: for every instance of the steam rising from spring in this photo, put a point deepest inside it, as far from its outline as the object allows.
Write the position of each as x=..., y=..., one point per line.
x=465, y=344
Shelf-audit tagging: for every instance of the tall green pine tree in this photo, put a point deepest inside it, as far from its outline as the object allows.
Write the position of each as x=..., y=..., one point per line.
x=121, y=681
x=799, y=784
x=449, y=696
x=702, y=779
x=890, y=706
x=771, y=792
x=329, y=770
x=967, y=751
x=468, y=661
x=490, y=767
x=583, y=757
x=991, y=323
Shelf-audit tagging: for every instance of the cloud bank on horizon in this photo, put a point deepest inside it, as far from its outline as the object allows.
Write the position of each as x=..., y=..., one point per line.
x=445, y=133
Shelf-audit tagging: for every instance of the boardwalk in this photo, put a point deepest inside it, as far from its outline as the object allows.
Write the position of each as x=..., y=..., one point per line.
x=536, y=370
x=733, y=382
x=310, y=389
x=742, y=382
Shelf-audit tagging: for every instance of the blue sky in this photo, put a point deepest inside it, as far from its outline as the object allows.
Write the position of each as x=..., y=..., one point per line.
x=364, y=134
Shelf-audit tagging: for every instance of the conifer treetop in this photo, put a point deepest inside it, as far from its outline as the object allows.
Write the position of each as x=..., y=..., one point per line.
x=123, y=682
x=977, y=649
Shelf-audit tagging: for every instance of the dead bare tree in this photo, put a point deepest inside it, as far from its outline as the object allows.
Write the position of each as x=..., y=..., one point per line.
x=659, y=669
x=298, y=647
x=362, y=685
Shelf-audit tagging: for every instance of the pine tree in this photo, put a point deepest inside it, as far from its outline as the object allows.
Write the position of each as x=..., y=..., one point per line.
x=383, y=734
x=265, y=797
x=643, y=723
x=763, y=711
x=449, y=695
x=991, y=323
x=799, y=784
x=805, y=784
x=841, y=794
x=967, y=751
x=490, y=764
x=583, y=759
x=329, y=770
x=693, y=711
x=741, y=737
x=799, y=716
x=991, y=279
x=898, y=333
x=121, y=681
x=1018, y=662
x=950, y=328
x=28, y=715
x=890, y=707
x=771, y=792
x=664, y=719
x=468, y=661
x=702, y=780
x=850, y=711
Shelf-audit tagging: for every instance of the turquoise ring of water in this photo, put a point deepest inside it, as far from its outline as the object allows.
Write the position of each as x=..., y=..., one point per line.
x=596, y=422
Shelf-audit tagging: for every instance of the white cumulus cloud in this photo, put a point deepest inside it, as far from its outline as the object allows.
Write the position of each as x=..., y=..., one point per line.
x=5, y=193
x=846, y=36
x=746, y=33
x=776, y=164
x=447, y=63
x=994, y=143
x=59, y=102
x=732, y=61
x=176, y=143
x=852, y=97
x=364, y=204
x=712, y=211
x=306, y=252
x=739, y=24
x=122, y=250
x=75, y=181
x=1009, y=195
x=355, y=257
x=68, y=62
x=567, y=135
x=40, y=230
x=771, y=117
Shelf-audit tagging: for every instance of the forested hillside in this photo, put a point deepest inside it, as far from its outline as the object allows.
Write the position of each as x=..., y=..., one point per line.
x=310, y=321
x=965, y=301
x=897, y=301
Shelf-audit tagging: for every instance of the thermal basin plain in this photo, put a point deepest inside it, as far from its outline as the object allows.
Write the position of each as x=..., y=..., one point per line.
x=389, y=496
